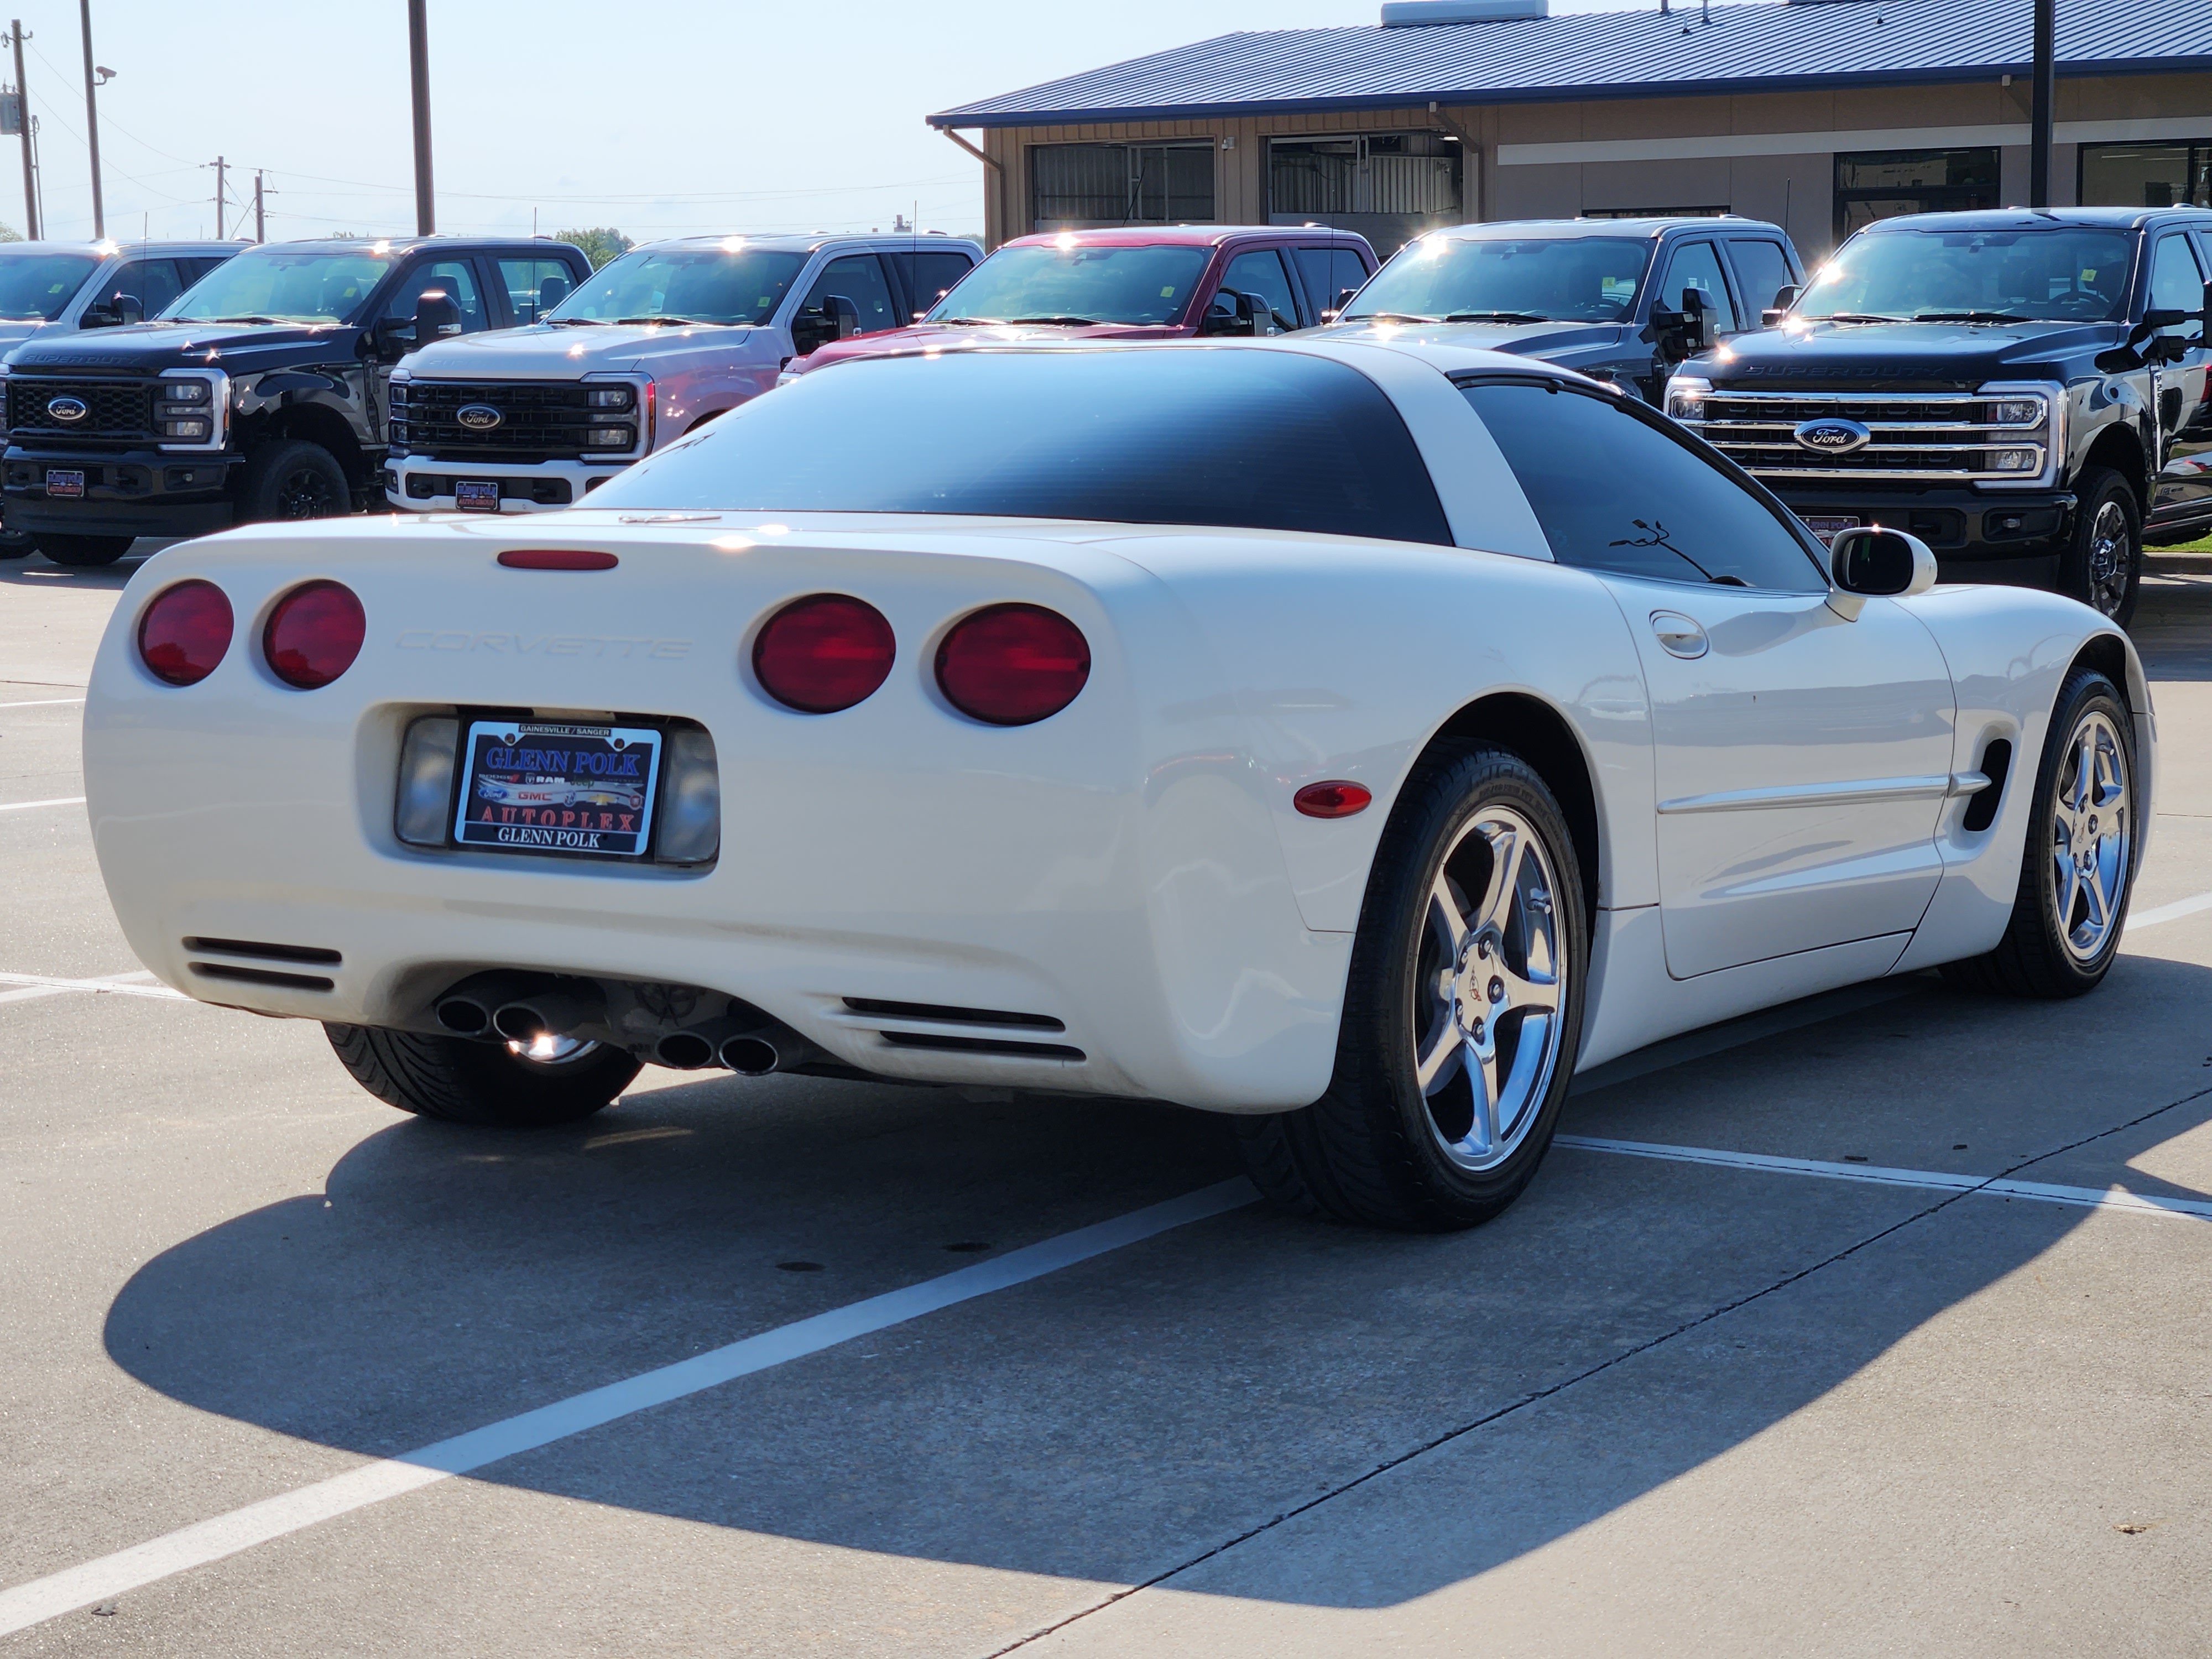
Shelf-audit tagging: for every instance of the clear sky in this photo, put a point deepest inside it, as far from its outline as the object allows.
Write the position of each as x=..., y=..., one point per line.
x=657, y=116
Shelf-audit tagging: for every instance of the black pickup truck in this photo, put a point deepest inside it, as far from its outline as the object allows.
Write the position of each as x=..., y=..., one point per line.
x=2023, y=390
x=258, y=394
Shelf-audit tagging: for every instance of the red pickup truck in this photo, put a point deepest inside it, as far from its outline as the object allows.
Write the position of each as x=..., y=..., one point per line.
x=1157, y=283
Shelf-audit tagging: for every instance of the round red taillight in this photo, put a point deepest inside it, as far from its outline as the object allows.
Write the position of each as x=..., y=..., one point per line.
x=185, y=632
x=314, y=634
x=823, y=653
x=1012, y=664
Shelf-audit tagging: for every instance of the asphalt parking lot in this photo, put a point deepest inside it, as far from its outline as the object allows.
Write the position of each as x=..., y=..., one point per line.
x=1872, y=1325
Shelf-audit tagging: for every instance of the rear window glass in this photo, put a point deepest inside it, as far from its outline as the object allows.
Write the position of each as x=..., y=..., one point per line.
x=1235, y=436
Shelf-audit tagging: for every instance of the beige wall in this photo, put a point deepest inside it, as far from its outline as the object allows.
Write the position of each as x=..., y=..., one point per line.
x=1794, y=190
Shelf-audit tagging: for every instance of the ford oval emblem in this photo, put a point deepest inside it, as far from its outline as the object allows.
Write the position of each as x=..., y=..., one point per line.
x=478, y=417
x=68, y=409
x=1833, y=436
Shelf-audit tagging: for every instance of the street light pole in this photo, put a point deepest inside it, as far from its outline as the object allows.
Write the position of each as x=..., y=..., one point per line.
x=92, y=120
x=418, y=66
x=30, y=187
x=2040, y=113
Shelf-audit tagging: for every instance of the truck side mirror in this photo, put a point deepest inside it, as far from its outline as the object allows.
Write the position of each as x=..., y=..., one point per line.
x=128, y=308
x=1681, y=335
x=436, y=316
x=1697, y=315
x=1784, y=297
x=842, y=315
x=1869, y=561
x=551, y=292
x=2130, y=355
x=1228, y=313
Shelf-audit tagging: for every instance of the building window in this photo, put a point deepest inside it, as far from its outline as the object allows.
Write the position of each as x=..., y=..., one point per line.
x=1387, y=186
x=1884, y=183
x=1079, y=186
x=2147, y=175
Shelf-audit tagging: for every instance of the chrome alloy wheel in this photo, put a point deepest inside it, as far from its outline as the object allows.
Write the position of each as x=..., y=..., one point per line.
x=2109, y=559
x=1490, y=980
x=2092, y=836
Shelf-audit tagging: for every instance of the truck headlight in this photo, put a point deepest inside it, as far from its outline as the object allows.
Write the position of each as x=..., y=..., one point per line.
x=1685, y=396
x=608, y=396
x=2017, y=411
x=611, y=437
x=185, y=391
x=2016, y=460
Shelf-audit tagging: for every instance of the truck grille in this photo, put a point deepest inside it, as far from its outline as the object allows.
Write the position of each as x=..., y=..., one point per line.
x=538, y=420
x=116, y=411
x=1933, y=437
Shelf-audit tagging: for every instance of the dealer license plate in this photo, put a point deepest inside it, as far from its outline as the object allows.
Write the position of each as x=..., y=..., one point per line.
x=472, y=497
x=67, y=485
x=1825, y=524
x=534, y=786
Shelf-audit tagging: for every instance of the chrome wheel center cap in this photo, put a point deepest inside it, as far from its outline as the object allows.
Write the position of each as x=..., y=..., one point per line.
x=1478, y=991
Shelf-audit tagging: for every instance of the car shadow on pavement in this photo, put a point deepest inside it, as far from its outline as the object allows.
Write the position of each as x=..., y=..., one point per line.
x=1628, y=1321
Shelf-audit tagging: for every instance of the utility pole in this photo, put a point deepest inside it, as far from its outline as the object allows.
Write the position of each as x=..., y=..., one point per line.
x=2046, y=95
x=92, y=120
x=30, y=188
x=260, y=228
x=218, y=197
x=418, y=66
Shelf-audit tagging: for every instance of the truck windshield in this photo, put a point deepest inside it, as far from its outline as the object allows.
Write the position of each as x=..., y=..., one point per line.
x=282, y=285
x=1073, y=283
x=2068, y=274
x=725, y=285
x=1442, y=279
x=36, y=287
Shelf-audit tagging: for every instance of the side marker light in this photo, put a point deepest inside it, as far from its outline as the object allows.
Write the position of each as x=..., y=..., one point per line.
x=1332, y=800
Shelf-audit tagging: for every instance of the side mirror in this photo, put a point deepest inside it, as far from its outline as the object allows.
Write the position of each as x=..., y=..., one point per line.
x=1344, y=297
x=842, y=316
x=436, y=316
x=98, y=317
x=1228, y=313
x=551, y=292
x=128, y=308
x=1784, y=297
x=1698, y=316
x=1869, y=561
x=2130, y=354
x=392, y=338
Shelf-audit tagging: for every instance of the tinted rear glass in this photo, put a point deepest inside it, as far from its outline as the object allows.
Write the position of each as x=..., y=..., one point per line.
x=1264, y=439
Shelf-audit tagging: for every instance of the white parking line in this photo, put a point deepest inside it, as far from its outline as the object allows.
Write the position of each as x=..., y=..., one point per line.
x=275, y=1517
x=132, y=984
x=41, y=702
x=2173, y=912
x=25, y=806
x=2093, y=1198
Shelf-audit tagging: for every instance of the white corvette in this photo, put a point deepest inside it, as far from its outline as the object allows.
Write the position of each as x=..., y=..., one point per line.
x=1356, y=739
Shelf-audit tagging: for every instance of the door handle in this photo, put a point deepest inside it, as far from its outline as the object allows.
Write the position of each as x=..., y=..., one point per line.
x=1678, y=636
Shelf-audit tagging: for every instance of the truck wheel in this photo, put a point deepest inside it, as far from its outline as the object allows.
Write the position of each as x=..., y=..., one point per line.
x=486, y=1084
x=16, y=543
x=294, y=479
x=2080, y=865
x=1462, y=1012
x=2102, y=566
x=84, y=552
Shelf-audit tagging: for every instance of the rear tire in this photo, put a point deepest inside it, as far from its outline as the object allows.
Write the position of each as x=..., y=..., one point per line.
x=486, y=1084
x=17, y=544
x=294, y=479
x=84, y=552
x=2102, y=565
x=1467, y=969
x=2078, y=872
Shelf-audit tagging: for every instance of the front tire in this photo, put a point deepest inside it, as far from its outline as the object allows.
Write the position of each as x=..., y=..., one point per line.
x=2078, y=871
x=294, y=479
x=84, y=552
x=17, y=544
x=1462, y=1012
x=2102, y=566
x=487, y=1084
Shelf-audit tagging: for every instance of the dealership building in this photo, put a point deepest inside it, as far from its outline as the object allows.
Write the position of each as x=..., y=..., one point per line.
x=1819, y=114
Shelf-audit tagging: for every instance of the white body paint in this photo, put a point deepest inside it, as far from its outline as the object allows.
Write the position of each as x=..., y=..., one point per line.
x=1132, y=867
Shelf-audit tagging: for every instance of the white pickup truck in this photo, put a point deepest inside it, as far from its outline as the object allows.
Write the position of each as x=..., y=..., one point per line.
x=663, y=338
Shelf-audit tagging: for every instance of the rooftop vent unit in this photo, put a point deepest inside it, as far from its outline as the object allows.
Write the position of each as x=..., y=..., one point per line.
x=1404, y=13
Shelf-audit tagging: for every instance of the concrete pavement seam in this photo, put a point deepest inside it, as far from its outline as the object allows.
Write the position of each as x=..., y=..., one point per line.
x=1598, y=1370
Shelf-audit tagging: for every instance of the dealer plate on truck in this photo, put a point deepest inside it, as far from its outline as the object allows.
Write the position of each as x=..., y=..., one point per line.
x=1825, y=524
x=67, y=485
x=534, y=786
x=472, y=497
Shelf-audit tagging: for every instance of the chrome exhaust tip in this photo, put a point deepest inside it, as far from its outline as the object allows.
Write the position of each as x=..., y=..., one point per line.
x=686, y=1051
x=471, y=1008
x=753, y=1055
x=552, y=1011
